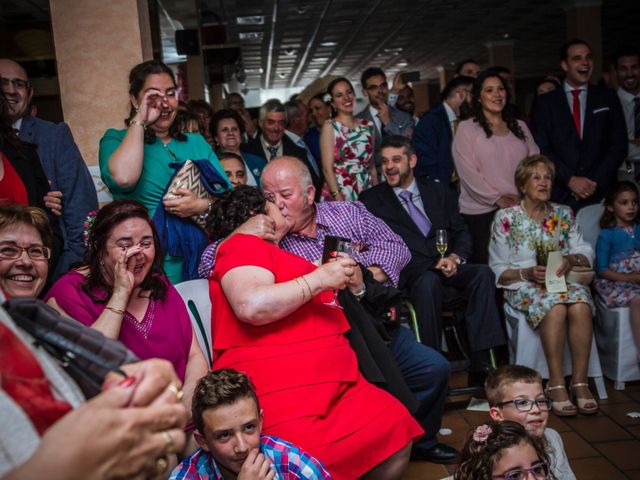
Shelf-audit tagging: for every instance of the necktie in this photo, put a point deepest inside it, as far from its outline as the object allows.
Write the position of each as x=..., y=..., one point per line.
x=636, y=115
x=273, y=152
x=310, y=159
x=419, y=218
x=576, y=110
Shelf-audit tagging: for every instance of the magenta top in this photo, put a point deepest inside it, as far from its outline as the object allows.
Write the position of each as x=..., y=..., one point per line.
x=164, y=332
x=487, y=166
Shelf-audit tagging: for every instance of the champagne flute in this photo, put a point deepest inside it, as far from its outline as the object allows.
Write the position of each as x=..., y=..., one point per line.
x=441, y=241
x=335, y=244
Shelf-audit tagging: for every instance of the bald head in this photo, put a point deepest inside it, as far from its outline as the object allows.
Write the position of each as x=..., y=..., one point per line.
x=290, y=167
x=16, y=88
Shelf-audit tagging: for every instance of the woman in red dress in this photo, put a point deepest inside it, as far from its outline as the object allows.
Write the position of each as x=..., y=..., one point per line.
x=271, y=319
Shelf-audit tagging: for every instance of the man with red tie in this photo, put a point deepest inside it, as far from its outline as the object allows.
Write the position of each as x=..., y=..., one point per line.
x=581, y=128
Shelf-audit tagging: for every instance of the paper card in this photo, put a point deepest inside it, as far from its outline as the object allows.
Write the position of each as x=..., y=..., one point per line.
x=554, y=283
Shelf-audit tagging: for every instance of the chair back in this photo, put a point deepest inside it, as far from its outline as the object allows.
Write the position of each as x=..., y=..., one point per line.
x=588, y=219
x=195, y=294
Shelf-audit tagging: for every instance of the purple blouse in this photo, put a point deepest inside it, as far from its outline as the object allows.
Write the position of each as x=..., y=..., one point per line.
x=164, y=332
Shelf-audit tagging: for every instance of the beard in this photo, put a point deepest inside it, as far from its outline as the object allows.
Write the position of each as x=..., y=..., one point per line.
x=465, y=110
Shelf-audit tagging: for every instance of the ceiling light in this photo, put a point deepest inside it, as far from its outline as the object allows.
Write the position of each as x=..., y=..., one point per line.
x=313, y=70
x=302, y=9
x=289, y=52
x=393, y=50
x=282, y=75
x=254, y=71
x=506, y=35
x=250, y=36
x=329, y=44
x=402, y=64
x=250, y=20
x=320, y=60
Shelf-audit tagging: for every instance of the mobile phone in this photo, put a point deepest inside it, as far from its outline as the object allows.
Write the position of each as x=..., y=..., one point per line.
x=410, y=77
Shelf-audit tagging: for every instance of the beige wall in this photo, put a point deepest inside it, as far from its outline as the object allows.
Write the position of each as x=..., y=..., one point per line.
x=97, y=42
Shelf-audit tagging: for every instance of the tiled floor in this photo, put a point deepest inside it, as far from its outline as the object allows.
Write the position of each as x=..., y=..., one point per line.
x=601, y=447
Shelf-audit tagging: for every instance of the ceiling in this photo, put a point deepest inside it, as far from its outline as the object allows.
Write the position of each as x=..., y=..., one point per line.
x=298, y=41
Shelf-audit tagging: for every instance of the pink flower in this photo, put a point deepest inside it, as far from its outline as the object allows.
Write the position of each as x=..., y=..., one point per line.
x=481, y=433
x=505, y=225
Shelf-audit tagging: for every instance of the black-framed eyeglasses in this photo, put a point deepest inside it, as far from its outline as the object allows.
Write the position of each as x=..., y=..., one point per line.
x=35, y=252
x=382, y=86
x=525, y=405
x=16, y=82
x=540, y=471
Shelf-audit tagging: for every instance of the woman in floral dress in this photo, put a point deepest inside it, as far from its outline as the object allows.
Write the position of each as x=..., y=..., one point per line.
x=346, y=145
x=559, y=316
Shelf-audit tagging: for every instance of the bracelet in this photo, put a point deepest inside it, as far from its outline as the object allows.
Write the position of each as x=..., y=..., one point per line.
x=521, y=276
x=361, y=293
x=307, y=284
x=334, y=194
x=115, y=310
x=204, y=216
x=137, y=122
x=304, y=296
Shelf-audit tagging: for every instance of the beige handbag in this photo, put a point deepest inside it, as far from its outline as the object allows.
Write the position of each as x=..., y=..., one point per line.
x=581, y=275
x=188, y=177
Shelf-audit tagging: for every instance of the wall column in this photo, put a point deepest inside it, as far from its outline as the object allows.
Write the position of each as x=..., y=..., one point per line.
x=97, y=43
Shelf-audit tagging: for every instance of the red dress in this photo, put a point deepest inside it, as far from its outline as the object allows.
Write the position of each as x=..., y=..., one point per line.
x=305, y=372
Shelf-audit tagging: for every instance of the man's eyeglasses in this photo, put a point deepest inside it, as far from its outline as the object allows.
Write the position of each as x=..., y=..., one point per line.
x=382, y=86
x=525, y=405
x=35, y=252
x=16, y=82
x=540, y=471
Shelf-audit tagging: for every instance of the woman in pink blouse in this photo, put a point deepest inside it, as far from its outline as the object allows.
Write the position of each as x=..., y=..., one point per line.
x=486, y=150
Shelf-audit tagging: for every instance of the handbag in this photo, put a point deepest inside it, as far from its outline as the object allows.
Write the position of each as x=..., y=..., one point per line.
x=582, y=275
x=84, y=353
x=188, y=177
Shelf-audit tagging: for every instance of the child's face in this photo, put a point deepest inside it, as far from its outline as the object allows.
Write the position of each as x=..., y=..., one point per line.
x=231, y=432
x=535, y=420
x=515, y=461
x=625, y=208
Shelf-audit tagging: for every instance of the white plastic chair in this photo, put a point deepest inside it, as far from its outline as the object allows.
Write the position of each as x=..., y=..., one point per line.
x=525, y=348
x=195, y=294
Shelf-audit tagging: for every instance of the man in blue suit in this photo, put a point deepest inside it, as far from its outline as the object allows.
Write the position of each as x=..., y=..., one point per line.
x=61, y=160
x=581, y=128
x=433, y=135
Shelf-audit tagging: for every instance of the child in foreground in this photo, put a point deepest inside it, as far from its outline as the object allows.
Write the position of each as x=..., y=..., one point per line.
x=228, y=424
x=515, y=393
x=503, y=451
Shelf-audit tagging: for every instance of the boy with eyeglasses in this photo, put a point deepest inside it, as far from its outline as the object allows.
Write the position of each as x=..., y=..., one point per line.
x=515, y=393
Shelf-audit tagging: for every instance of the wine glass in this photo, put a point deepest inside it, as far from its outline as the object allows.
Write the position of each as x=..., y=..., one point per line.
x=441, y=241
x=335, y=244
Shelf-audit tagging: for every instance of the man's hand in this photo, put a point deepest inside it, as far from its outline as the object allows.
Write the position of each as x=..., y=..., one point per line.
x=260, y=225
x=447, y=266
x=398, y=84
x=582, y=187
x=256, y=467
x=384, y=113
x=53, y=201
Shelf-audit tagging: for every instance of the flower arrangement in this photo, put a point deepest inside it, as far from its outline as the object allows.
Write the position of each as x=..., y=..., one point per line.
x=88, y=225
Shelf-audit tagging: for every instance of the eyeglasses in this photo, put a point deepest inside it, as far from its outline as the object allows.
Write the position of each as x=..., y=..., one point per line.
x=525, y=405
x=35, y=252
x=16, y=82
x=540, y=471
x=382, y=86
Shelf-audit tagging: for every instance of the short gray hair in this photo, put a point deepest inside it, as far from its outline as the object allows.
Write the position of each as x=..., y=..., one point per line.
x=272, y=105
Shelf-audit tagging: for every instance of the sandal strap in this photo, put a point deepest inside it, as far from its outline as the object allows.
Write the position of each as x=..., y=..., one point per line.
x=580, y=385
x=556, y=387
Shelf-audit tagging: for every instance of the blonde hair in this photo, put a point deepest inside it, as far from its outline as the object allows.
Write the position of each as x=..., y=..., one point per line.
x=13, y=214
x=525, y=168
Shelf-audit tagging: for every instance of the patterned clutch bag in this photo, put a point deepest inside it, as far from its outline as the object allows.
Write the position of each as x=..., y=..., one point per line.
x=188, y=177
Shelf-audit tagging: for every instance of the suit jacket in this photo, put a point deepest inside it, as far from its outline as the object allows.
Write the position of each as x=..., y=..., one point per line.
x=64, y=167
x=289, y=149
x=442, y=210
x=597, y=155
x=432, y=140
x=401, y=124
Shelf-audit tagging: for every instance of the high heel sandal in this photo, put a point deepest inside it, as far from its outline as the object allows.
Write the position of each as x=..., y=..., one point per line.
x=562, y=408
x=586, y=406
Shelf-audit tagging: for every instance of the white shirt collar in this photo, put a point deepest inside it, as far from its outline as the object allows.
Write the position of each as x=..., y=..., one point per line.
x=629, y=97
x=413, y=188
x=293, y=136
x=568, y=88
x=18, y=123
x=373, y=110
x=450, y=113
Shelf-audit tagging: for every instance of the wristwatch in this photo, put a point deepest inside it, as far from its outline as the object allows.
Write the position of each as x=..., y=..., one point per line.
x=359, y=295
x=456, y=258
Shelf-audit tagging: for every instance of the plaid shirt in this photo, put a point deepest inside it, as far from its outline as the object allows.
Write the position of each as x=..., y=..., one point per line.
x=374, y=242
x=289, y=461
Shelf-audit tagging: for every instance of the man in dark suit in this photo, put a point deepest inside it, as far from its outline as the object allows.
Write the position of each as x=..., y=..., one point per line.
x=415, y=210
x=60, y=158
x=433, y=135
x=272, y=142
x=581, y=128
x=387, y=120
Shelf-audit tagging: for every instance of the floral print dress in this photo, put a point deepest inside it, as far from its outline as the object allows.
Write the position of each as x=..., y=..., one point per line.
x=513, y=245
x=352, y=154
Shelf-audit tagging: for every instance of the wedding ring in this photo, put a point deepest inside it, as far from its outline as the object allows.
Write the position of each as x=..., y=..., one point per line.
x=176, y=391
x=170, y=447
x=161, y=465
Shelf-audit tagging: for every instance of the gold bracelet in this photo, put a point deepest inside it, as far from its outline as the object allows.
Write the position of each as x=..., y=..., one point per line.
x=304, y=296
x=307, y=284
x=115, y=310
x=334, y=194
x=138, y=122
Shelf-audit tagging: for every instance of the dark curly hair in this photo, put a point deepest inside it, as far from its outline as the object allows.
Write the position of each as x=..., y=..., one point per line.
x=479, y=457
x=608, y=218
x=223, y=114
x=106, y=220
x=234, y=208
x=508, y=113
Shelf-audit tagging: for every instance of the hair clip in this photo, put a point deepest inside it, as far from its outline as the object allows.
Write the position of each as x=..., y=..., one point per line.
x=326, y=98
x=88, y=226
x=481, y=433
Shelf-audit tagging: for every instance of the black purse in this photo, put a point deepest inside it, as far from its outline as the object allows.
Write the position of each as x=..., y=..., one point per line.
x=84, y=353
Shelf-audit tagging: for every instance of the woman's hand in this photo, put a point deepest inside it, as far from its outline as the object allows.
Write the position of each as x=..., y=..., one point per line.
x=535, y=274
x=565, y=266
x=123, y=277
x=148, y=111
x=53, y=201
x=336, y=274
x=186, y=204
x=506, y=201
